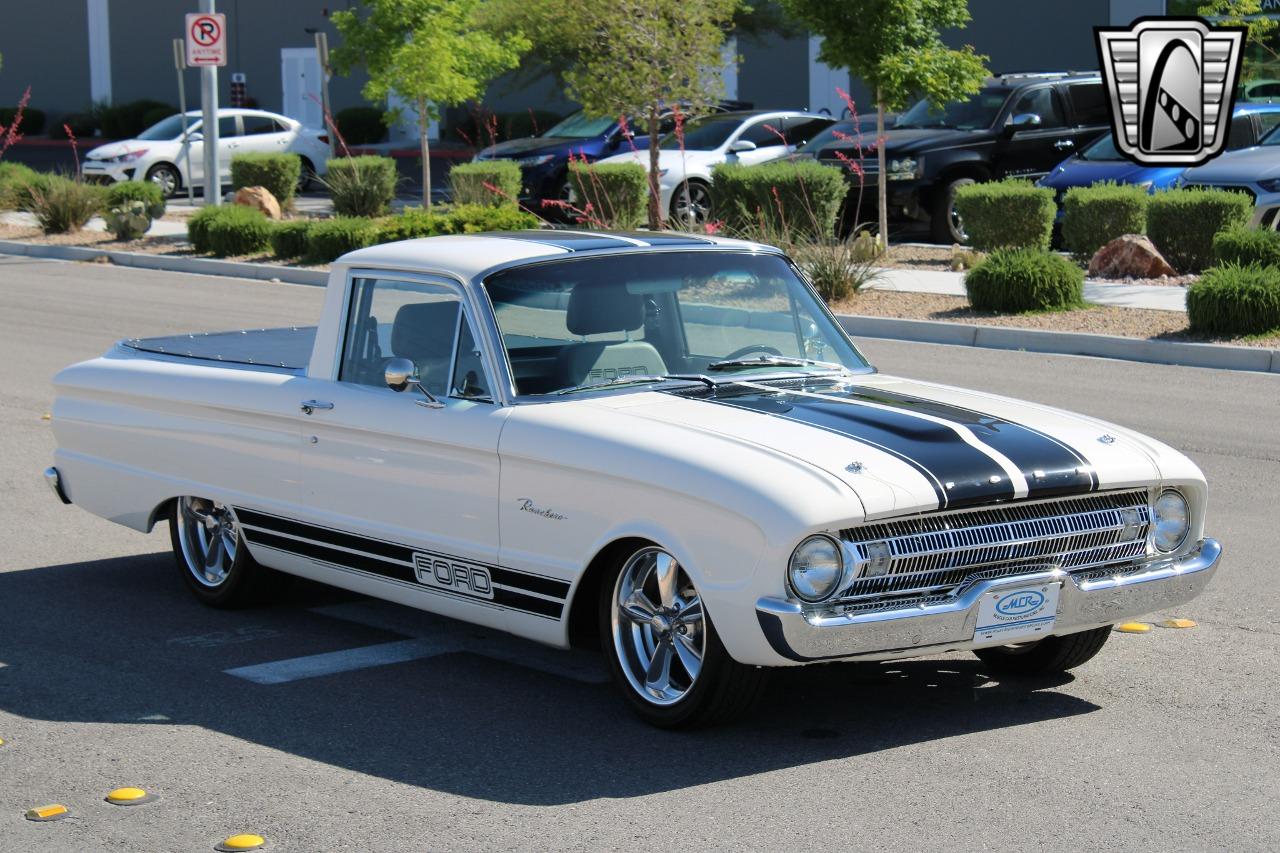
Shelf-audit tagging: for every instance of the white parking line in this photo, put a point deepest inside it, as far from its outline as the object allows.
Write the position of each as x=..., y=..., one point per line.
x=328, y=663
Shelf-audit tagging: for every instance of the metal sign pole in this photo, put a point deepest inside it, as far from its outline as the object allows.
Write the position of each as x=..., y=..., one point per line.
x=180, y=64
x=322, y=53
x=209, y=103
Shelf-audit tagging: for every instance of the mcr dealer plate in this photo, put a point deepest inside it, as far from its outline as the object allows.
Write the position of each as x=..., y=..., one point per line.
x=1017, y=615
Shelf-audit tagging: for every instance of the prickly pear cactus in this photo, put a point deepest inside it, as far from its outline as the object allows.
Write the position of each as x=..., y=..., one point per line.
x=128, y=220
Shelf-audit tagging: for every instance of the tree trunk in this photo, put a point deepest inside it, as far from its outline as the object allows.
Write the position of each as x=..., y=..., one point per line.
x=426, y=153
x=882, y=187
x=655, y=195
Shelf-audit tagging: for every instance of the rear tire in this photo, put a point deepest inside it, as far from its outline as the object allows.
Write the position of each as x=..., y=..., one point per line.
x=650, y=611
x=944, y=223
x=214, y=561
x=306, y=176
x=1046, y=657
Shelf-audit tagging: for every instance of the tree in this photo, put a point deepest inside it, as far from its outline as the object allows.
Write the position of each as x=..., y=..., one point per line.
x=427, y=52
x=895, y=47
x=1258, y=30
x=634, y=57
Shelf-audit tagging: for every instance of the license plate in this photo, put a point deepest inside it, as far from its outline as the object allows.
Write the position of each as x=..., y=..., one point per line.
x=1017, y=615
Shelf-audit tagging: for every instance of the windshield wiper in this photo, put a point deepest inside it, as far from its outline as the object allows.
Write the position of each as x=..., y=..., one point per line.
x=638, y=379
x=775, y=361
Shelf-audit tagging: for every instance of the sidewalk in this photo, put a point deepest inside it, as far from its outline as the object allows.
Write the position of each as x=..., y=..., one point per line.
x=159, y=227
x=1153, y=296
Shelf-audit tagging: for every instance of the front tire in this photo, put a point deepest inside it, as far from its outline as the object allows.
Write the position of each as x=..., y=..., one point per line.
x=663, y=651
x=691, y=206
x=1049, y=656
x=945, y=223
x=166, y=177
x=211, y=555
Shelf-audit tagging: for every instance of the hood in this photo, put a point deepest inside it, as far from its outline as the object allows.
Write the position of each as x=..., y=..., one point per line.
x=906, y=447
x=1075, y=172
x=115, y=149
x=919, y=140
x=531, y=146
x=1246, y=166
x=668, y=158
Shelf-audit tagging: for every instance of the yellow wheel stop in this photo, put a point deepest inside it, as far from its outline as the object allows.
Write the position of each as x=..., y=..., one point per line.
x=54, y=811
x=1133, y=628
x=1178, y=623
x=129, y=797
x=243, y=841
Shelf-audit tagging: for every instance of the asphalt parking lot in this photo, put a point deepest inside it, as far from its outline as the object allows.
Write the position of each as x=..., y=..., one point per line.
x=111, y=674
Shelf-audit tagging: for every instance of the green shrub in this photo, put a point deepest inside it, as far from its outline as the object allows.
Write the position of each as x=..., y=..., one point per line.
x=127, y=220
x=780, y=201
x=329, y=239
x=614, y=195
x=289, y=239
x=361, y=186
x=62, y=205
x=198, y=227
x=127, y=120
x=411, y=223
x=1244, y=246
x=1019, y=280
x=473, y=219
x=239, y=230
x=83, y=125
x=32, y=120
x=1235, y=300
x=14, y=181
x=1006, y=215
x=1182, y=223
x=360, y=125
x=471, y=183
x=1094, y=216
x=144, y=191
x=277, y=173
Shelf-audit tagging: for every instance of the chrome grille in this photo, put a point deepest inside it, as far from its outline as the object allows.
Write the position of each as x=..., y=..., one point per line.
x=940, y=555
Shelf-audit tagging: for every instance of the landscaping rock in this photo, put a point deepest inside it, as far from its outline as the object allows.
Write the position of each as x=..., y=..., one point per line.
x=1130, y=256
x=260, y=198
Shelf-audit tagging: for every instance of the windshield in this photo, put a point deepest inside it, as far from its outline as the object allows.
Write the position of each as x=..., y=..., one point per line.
x=1102, y=150
x=639, y=317
x=703, y=134
x=841, y=133
x=170, y=128
x=1271, y=138
x=579, y=126
x=978, y=112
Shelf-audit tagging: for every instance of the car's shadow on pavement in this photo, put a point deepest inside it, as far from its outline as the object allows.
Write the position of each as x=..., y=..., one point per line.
x=121, y=641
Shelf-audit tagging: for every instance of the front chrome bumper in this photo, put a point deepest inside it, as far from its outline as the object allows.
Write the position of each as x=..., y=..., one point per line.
x=913, y=631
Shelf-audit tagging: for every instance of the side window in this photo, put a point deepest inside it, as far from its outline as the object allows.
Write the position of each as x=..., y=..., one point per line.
x=400, y=319
x=1042, y=102
x=1241, y=133
x=228, y=126
x=764, y=134
x=469, y=380
x=1089, y=104
x=801, y=130
x=1267, y=121
x=254, y=125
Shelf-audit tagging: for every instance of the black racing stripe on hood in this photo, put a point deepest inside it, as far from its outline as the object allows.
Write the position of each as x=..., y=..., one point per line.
x=962, y=475
x=1065, y=471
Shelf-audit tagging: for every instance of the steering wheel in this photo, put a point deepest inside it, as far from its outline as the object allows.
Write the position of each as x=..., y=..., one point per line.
x=739, y=353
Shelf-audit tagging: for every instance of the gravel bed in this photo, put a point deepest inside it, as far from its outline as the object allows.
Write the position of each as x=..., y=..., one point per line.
x=938, y=259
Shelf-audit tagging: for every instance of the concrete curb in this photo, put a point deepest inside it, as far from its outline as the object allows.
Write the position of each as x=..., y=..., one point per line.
x=168, y=263
x=1219, y=356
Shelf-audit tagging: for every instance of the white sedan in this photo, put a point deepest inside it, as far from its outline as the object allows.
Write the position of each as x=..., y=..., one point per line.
x=685, y=160
x=167, y=157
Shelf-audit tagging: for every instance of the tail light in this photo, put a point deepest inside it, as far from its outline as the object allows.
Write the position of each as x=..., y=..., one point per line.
x=324, y=137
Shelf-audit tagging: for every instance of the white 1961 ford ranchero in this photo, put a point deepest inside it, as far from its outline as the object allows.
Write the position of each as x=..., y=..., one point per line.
x=661, y=443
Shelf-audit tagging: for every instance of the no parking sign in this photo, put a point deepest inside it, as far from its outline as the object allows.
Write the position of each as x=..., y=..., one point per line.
x=206, y=39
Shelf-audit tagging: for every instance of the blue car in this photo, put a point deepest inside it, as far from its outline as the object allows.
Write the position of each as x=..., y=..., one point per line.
x=1101, y=161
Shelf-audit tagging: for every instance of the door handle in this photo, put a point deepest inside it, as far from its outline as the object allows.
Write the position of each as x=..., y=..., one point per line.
x=1063, y=144
x=309, y=406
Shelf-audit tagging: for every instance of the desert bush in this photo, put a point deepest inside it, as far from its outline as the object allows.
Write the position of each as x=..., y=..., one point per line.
x=609, y=195
x=360, y=125
x=238, y=230
x=329, y=239
x=1182, y=223
x=1006, y=215
x=471, y=183
x=62, y=205
x=361, y=186
x=785, y=200
x=151, y=196
x=838, y=267
x=1020, y=280
x=1235, y=300
x=1094, y=216
x=32, y=119
x=290, y=239
x=277, y=173
x=1244, y=246
x=15, y=180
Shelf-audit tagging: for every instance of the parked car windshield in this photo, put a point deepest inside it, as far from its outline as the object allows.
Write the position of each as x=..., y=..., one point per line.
x=170, y=128
x=647, y=320
x=1103, y=150
x=703, y=134
x=842, y=133
x=580, y=126
x=978, y=112
x=1272, y=137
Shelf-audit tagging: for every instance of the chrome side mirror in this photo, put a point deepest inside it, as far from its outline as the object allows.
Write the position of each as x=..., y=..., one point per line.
x=195, y=136
x=1024, y=121
x=401, y=373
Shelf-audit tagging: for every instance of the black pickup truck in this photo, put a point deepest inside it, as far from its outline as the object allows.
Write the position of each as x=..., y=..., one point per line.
x=1017, y=125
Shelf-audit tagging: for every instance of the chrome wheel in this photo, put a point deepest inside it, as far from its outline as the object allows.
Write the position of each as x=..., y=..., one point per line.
x=209, y=535
x=659, y=627
x=691, y=206
x=166, y=178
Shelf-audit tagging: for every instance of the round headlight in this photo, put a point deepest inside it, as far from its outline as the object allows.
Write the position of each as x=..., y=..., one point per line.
x=1172, y=521
x=815, y=568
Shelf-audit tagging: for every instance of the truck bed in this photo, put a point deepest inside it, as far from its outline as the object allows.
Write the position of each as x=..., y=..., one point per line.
x=288, y=348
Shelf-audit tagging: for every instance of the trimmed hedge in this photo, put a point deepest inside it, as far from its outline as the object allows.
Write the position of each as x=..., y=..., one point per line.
x=361, y=186
x=471, y=183
x=1021, y=280
x=360, y=125
x=1094, y=216
x=32, y=120
x=277, y=173
x=1235, y=300
x=289, y=239
x=612, y=195
x=329, y=239
x=229, y=229
x=780, y=201
x=1182, y=223
x=119, y=195
x=1244, y=246
x=1007, y=214
x=415, y=222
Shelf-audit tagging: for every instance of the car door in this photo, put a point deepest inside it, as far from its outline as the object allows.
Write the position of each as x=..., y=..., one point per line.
x=1036, y=135
x=263, y=134
x=1090, y=113
x=228, y=146
x=397, y=488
